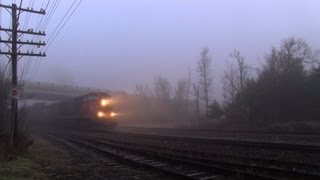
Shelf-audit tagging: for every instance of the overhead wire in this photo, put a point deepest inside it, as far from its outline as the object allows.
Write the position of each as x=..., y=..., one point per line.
x=52, y=12
x=42, y=23
x=58, y=28
x=29, y=66
x=55, y=36
x=55, y=32
x=62, y=19
x=38, y=24
x=31, y=3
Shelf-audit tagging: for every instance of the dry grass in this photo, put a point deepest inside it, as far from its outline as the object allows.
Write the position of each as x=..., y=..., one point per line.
x=41, y=158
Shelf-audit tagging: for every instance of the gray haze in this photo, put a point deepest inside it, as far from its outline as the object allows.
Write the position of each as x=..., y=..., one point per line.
x=118, y=43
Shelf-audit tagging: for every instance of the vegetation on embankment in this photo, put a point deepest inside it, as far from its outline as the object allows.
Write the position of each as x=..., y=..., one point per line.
x=40, y=161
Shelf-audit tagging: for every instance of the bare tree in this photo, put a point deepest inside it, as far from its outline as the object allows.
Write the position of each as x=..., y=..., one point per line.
x=163, y=109
x=4, y=97
x=143, y=90
x=205, y=71
x=162, y=88
x=242, y=68
x=181, y=90
x=188, y=93
x=235, y=77
x=180, y=97
x=196, y=93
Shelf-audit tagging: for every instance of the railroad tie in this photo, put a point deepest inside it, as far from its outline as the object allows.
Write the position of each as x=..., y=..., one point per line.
x=159, y=165
x=209, y=177
x=112, y=163
x=118, y=166
x=137, y=159
x=196, y=174
x=145, y=161
x=153, y=163
x=130, y=157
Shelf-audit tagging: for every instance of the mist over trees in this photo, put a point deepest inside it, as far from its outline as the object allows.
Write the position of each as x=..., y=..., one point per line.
x=284, y=90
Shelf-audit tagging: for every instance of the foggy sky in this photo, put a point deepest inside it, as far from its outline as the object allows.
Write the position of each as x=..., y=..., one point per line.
x=117, y=44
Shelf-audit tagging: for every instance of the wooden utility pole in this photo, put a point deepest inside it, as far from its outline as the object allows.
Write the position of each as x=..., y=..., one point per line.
x=13, y=56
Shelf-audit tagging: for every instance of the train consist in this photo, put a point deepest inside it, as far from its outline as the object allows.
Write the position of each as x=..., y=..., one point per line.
x=90, y=109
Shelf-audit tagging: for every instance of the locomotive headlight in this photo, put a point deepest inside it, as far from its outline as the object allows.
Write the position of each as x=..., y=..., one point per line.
x=104, y=102
x=101, y=114
x=113, y=114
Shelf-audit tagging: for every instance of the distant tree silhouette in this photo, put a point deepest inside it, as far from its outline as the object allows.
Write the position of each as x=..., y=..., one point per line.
x=205, y=73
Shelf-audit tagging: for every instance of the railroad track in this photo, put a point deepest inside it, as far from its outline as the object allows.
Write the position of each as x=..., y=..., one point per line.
x=272, y=169
x=254, y=132
x=257, y=136
x=203, y=162
x=127, y=155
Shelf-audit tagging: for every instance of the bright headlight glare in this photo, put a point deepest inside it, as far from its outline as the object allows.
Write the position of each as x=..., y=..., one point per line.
x=104, y=102
x=100, y=114
x=113, y=114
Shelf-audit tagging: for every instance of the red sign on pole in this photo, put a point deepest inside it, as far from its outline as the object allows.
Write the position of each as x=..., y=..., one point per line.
x=14, y=93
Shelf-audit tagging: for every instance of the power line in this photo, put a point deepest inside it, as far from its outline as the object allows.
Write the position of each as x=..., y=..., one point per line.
x=49, y=43
x=54, y=8
x=51, y=11
x=62, y=19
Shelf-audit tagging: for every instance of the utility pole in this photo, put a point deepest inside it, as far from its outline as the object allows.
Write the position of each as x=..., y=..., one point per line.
x=14, y=55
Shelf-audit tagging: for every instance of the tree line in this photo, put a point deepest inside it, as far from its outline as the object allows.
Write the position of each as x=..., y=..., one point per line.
x=284, y=89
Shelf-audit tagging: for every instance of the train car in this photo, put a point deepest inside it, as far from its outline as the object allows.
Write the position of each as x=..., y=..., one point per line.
x=94, y=108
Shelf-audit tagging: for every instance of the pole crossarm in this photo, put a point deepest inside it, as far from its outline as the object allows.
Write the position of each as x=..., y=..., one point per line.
x=24, y=54
x=42, y=11
x=40, y=43
x=30, y=31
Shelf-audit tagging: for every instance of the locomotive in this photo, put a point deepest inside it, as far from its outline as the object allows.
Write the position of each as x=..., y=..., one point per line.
x=94, y=108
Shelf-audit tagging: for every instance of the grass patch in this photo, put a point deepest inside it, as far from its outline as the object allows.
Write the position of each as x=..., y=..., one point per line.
x=39, y=162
